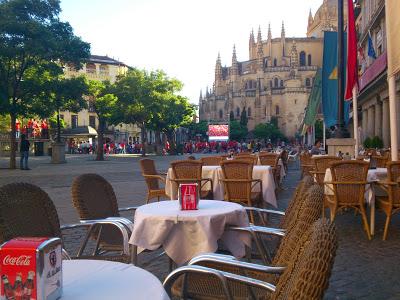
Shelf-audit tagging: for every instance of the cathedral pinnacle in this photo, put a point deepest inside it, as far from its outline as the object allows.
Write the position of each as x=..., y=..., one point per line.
x=259, y=35
x=234, y=53
x=310, y=18
x=201, y=94
x=269, y=31
x=283, y=29
x=219, y=59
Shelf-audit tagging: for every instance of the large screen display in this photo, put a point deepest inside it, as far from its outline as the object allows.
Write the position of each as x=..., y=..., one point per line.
x=218, y=132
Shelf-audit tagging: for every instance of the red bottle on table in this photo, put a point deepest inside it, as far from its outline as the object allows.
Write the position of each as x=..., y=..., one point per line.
x=188, y=196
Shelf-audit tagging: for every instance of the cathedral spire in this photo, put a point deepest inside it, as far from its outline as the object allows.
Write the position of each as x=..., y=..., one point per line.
x=283, y=30
x=218, y=70
x=269, y=32
x=259, y=38
x=201, y=94
x=310, y=18
x=251, y=39
x=235, y=67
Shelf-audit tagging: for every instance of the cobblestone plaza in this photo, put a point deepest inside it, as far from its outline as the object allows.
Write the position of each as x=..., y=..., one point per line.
x=363, y=269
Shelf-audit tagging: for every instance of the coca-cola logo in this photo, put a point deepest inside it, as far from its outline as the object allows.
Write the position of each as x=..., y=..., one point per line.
x=22, y=260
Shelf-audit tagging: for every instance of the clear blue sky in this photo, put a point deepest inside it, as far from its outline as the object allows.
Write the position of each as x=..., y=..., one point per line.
x=181, y=37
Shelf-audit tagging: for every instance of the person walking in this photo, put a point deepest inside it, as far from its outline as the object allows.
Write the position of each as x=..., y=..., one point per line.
x=24, y=151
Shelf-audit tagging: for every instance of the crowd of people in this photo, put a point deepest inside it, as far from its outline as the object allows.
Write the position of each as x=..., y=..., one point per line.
x=222, y=146
x=109, y=147
x=32, y=129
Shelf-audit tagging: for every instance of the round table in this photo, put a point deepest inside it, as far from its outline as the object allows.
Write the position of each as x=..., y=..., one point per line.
x=186, y=234
x=99, y=279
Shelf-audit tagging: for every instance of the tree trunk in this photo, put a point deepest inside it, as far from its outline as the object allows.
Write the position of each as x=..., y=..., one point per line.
x=159, y=145
x=58, y=126
x=13, y=146
x=100, y=141
x=172, y=142
x=144, y=138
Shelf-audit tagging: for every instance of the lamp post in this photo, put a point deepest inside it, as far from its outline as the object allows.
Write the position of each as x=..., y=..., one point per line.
x=341, y=130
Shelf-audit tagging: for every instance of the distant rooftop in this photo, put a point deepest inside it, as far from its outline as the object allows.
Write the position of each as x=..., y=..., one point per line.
x=105, y=60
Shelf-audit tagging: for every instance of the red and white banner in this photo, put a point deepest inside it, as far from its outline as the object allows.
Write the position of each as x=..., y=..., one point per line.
x=218, y=132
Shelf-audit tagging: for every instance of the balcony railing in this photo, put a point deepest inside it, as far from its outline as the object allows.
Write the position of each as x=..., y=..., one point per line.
x=277, y=69
x=308, y=68
x=373, y=71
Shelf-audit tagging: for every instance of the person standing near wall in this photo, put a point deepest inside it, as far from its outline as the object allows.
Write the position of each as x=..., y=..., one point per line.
x=24, y=151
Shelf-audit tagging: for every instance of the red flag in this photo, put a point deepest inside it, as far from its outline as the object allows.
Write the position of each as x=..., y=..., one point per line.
x=352, y=67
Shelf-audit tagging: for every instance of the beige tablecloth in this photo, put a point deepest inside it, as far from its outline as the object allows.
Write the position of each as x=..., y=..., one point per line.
x=373, y=175
x=264, y=173
x=186, y=234
x=85, y=279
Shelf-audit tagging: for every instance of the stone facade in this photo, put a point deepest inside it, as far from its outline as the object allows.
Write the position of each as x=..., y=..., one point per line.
x=276, y=80
x=99, y=68
x=373, y=99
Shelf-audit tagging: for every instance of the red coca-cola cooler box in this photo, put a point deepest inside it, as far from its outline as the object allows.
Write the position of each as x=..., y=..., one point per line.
x=31, y=269
x=188, y=196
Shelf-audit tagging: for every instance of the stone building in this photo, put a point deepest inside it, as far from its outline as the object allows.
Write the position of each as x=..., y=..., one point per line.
x=99, y=68
x=373, y=100
x=276, y=80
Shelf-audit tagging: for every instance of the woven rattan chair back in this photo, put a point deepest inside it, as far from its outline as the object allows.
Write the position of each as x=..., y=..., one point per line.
x=309, y=210
x=27, y=210
x=307, y=274
x=237, y=169
x=346, y=172
x=211, y=160
x=149, y=168
x=248, y=158
x=93, y=197
x=187, y=170
x=305, y=158
x=293, y=208
x=379, y=161
x=394, y=176
x=269, y=159
x=321, y=164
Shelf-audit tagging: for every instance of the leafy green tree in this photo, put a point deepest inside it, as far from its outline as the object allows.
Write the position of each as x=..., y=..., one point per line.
x=243, y=118
x=31, y=34
x=105, y=105
x=231, y=116
x=237, y=131
x=199, y=128
x=49, y=91
x=4, y=123
x=268, y=131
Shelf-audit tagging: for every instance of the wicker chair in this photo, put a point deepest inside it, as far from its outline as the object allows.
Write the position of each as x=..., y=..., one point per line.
x=306, y=163
x=152, y=178
x=305, y=277
x=390, y=204
x=379, y=161
x=348, y=180
x=250, y=158
x=320, y=165
x=27, y=210
x=239, y=183
x=285, y=158
x=93, y=197
x=190, y=171
x=211, y=160
x=272, y=159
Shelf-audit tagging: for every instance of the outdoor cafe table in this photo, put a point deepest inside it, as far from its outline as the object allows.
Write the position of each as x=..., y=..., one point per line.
x=103, y=280
x=186, y=234
x=264, y=173
x=374, y=175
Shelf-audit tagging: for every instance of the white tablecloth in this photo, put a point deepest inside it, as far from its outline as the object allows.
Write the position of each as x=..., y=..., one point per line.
x=264, y=173
x=186, y=234
x=104, y=280
x=373, y=175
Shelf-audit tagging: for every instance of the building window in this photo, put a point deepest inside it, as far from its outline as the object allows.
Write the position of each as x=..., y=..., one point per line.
x=295, y=101
x=276, y=82
x=308, y=83
x=92, y=121
x=309, y=59
x=302, y=59
x=281, y=83
x=103, y=69
x=61, y=117
x=74, y=121
x=275, y=62
x=249, y=112
x=270, y=83
x=237, y=112
x=91, y=68
x=221, y=113
x=277, y=110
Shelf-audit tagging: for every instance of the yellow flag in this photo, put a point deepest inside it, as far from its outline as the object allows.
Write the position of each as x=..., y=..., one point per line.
x=333, y=75
x=393, y=36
